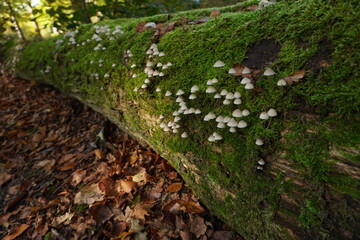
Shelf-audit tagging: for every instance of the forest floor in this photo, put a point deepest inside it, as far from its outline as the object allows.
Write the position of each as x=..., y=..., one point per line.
x=68, y=173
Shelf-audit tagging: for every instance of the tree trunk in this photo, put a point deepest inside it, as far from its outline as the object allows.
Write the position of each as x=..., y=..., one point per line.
x=37, y=28
x=17, y=25
x=292, y=176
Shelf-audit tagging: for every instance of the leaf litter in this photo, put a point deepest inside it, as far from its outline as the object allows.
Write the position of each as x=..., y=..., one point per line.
x=60, y=180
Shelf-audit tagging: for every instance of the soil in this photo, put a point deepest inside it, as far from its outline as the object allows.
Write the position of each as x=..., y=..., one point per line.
x=68, y=173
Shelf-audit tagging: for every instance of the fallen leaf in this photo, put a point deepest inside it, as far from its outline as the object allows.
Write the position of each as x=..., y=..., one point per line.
x=193, y=207
x=18, y=230
x=66, y=158
x=142, y=210
x=215, y=13
x=253, y=7
x=197, y=225
x=126, y=186
x=68, y=166
x=198, y=21
x=238, y=69
x=89, y=195
x=46, y=164
x=295, y=77
x=133, y=158
x=175, y=187
x=4, y=177
x=101, y=213
x=99, y=154
x=140, y=177
x=65, y=219
x=77, y=177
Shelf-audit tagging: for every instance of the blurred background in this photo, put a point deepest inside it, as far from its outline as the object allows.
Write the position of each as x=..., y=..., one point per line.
x=29, y=20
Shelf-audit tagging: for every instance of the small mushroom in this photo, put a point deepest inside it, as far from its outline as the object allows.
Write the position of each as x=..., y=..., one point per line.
x=211, y=139
x=192, y=96
x=175, y=130
x=161, y=116
x=272, y=112
x=281, y=83
x=159, y=65
x=163, y=125
x=144, y=86
x=167, y=129
x=176, y=113
x=210, y=90
x=219, y=119
x=221, y=125
x=164, y=67
x=184, y=135
x=226, y=119
x=226, y=102
x=179, y=92
x=237, y=113
x=232, y=130
x=217, y=96
x=113, y=65
x=261, y=162
x=147, y=81
x=169, y=64
x=237, y=101
x=232, y=71
x=191, y=110
x=177, y=118
x=245, y=80
x=237, y=95
x=161, y=54
x=210, y=116
x=209, y=82
x=161, y=74
x=194, y=89
x=229, y=96
x=134, y=76
x=158, y=90
x=133, y=66
x=249, y=86
x=148, y=52
x=168, y=94
x=259, y=142
x=269, y=72
x=245, y=112
x=214, y=80
x=264, y=116
x=149, y=64
x=223, y=92
x=219, y=64
x=156, y=73
x=197, y=111
x=246, y=70
x=136, y=89
x=242, y=124
x=217, y=136
x=232, y=123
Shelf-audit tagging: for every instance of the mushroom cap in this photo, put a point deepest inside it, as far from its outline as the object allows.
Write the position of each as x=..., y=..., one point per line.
x=161, y=74
x=166, y=129
x=217, y=136
x=149, y=52
x=163, y=124
x=176, y=113
x=237, y=95
x=272, y=112
x=246, y=70
x=184, y=135
x=186, y=112
x=259, y=142
x=264, y=116
x=245, y=80
x=174, y=130
x=169, y=64
x=177, y=118
x=221, y=125
x=242, y=124
x=249, y=86
x=153, y=46
x=281, y=83
x=134, y=75
x=237, y=113
x=194, y=89
x=164, y=67
x=144, y=86
x=229, y=96
x=226, y=102
x=179, y=92
x=136, y=89
x=147, y=80
x=210, y=90
x=261, y=162
x=192, y=110
x=219, y=64
x=245, y=112
x=168, y=94
x=232, y=70
x=179, y=99
x=237, y=101
x=161, y=116
x=192, y=96
x=211, y=139
x=223, y=92
x=149, y=64
x=132, y=66
x=214, y=80
x=159, y=64
x=219, y=119
x=156, y=73
x=232, y=123
x=232, y=130
x=269, y=72
x=226, y=119
x=197, y=111
x=209, y=82
x=217, y=96
x=161, y=54
x=210, y=115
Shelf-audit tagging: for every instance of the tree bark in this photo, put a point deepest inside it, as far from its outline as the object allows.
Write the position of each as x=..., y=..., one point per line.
x=37, y=28
x=17, y=25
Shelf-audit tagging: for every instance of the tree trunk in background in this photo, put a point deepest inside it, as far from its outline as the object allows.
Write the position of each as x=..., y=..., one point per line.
x=80, y=8
x=17, y=25
x=37, y=28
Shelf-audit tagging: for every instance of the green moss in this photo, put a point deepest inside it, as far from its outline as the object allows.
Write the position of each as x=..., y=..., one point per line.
x=331, y=94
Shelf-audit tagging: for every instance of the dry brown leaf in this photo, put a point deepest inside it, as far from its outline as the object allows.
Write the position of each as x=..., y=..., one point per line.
x=89, y=195
x=67, y=158
x=68, y=166
x=141, y=27
x=238, y=69
x=65, y=219
x=4, y=177
x=133, y=158
x=197, y=225
x=77, y=177
x=101, y=213
x=295, y=77
x=99, y=154
x=140, y=177
x=215, y=13
x=142, y=210
x=193, y=207
x=126, y=186
x=252, y=7
x=18, y=230
x=175, y=187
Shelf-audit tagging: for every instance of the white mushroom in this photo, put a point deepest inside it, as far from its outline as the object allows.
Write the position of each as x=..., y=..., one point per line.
x=237, y=95
x=219, y=119
x=147, y=81
x=214, y=80
x=176, y=113
x=159, y=65
x=210, y=90
x=217, y=136
x=217, y=96
x=237, y=113
x=164, y=67
x=132, y=66
x=242, y=124
x=184, y=135
x=232, y=123
x=232, y=70
x=219, y=64
x=210, y=116
x=144, y=86
x=191, y=110
x=264, y=116
x=197, y=111
x=269, y=72
x=179, y=92
x=209, y=82
x=245, y=80
x=134, y=76
x=223, y=92
x=166, y=129
x=245, y=112
x=272, y=112
x=221, y=125
x=281, y=83
x=261, y=162
x=175, y=130
x=163, y=125
x=161, y=74
x=161, y=116
x=177, y=118
x=246, y=70
x=158, y=90
x=226, y=119
x=156, y=73
x=148, y=52
x=259, y=142
x=169, y=64
x=211, y=139
x=226, y=102
x=194, y=89
x=168, y=94
x=149, y=64
x=237, y=101
x=192, y=96
x=161, y=54
x=232, y=130
x=249, y=86
x=136, y=89
x=229, y=96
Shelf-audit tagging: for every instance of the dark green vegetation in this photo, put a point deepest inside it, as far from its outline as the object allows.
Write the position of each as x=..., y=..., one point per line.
x=310, y=184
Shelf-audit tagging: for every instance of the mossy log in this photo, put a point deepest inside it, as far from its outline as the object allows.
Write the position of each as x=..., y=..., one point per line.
x=309, y=185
